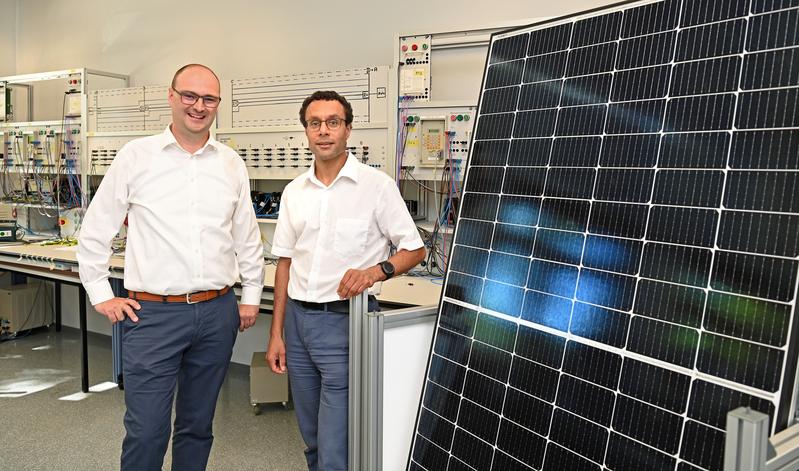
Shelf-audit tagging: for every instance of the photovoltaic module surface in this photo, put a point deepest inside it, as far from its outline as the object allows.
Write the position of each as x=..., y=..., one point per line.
x=624, y=268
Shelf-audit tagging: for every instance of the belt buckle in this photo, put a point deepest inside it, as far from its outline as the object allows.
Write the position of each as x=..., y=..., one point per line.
x=188, y=299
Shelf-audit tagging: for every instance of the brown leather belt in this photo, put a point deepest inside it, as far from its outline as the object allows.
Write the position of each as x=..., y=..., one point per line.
x=188, y=298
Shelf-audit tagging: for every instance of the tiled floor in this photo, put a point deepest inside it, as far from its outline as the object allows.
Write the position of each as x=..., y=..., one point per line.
x=40, y=432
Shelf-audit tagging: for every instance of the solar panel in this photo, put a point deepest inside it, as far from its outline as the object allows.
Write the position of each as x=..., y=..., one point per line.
x=624, y=268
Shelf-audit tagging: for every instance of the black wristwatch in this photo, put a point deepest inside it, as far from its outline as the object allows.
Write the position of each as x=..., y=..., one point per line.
x=388, y=268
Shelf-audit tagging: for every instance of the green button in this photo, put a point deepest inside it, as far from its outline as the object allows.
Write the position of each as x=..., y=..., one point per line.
x=460, y=117
x=424, y=46
x=416, y=119
x=466, y=117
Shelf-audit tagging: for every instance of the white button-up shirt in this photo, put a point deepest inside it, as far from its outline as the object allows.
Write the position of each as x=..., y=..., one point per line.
x=349, y=224
x=191, y=224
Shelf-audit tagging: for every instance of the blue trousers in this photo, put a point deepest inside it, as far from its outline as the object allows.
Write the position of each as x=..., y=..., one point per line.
x=317, y=358
x=175, y=344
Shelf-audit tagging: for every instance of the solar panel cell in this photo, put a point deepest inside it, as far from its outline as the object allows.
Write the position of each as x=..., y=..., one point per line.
x=529, y=152
x=599, y=324
x=663, y=341
x=650, y=18
x=669, y=302
x=612, y=254
x=519, y=210
x=641, y=84
x=483, y=390
x=575, y=152
x=644, y=51
x=695, y=150
x=559, y=458
x=648, y=424
x=625, y=454
x=702, y=445
x=654, y=385
x=521, y=444
x=773, y=30
x=502, y=298
x=686, y=226
x=564, y=214
x=536, y=380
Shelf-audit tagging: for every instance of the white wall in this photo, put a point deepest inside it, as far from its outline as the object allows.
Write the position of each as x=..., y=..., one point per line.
x=149, y=39
x=8, y=37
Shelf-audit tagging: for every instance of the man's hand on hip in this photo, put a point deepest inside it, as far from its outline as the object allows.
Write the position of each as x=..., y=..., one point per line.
x=116, y=309
x=248, y=314
x=356, y=282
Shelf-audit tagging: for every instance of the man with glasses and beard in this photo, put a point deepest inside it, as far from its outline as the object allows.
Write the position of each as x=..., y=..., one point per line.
x=334, y=231
x=192, y=232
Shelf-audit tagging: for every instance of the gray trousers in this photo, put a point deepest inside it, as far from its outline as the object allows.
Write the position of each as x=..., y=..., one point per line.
x=317, y=359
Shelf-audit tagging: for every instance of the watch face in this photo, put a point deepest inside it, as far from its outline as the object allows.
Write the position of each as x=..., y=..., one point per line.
x=387, y=268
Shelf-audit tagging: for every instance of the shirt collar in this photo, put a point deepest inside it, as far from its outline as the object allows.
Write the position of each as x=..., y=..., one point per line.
x=349, y=170
x=167, y=139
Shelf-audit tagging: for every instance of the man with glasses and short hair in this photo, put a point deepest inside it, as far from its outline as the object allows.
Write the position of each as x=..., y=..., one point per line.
x=192, y=232
x=335, y=228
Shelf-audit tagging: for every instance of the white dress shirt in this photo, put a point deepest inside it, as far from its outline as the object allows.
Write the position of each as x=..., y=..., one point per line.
x=349, y=224
x=191, y=225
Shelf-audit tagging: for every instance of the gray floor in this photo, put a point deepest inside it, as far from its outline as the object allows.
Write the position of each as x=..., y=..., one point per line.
x=40, y=432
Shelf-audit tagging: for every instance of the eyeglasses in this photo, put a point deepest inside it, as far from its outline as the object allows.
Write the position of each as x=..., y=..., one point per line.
x=332, y=123
x=189, y=98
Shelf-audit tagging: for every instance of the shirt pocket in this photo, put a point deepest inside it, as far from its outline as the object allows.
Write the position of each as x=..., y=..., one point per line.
x=350, y=237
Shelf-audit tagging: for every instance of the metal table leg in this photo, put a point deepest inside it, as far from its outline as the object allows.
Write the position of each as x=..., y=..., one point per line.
x=84, y=341
x=57, y=301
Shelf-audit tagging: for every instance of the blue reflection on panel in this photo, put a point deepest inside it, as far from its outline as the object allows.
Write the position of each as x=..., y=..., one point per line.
x=606, y=289
x=474, y=233
x=519, y=210
x=635, y=117
x=586, y=90
x=553, y=278
x=600, y=324
x=452, y=346
x=508, y=268
x=464, y=287
x=514, y=239
x=469, y=260
x=612, y=254
x=502, y=298
x=559, y=246
x=547, y=310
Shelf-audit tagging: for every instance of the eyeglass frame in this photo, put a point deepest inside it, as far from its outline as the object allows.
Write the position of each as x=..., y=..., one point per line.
x=325, y=121
x=197, y=97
